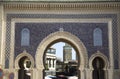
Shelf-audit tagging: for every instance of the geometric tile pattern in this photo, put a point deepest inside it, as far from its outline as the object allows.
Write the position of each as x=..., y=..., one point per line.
x=84, y=31
x=69, y=16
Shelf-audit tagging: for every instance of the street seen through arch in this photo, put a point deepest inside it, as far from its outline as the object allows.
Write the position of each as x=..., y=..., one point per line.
x=61, y=62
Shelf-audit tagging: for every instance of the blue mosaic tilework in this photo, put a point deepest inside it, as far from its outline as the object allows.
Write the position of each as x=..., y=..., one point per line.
x=69, y=16
x=84, y=31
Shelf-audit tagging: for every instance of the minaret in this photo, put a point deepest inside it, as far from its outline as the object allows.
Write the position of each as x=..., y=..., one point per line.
x=67, y=53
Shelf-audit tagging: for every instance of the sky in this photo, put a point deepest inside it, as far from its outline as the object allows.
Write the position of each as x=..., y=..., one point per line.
x=59, y=50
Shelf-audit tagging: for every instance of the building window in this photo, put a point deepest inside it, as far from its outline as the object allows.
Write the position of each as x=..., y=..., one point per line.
x=25, y=37
x=97, y=35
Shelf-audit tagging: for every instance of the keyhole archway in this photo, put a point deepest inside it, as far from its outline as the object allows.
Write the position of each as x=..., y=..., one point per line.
x=24, y=64
x=98, y=65
x=98, y=68
x=62, y=36
x=24, y=61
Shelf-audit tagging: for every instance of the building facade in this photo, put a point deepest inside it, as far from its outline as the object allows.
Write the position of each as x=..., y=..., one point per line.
x=67, y=53
x=28, y=29
x=50, y=61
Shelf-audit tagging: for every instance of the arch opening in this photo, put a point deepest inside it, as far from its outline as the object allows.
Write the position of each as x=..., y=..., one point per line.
x=24, y=71
x=66, y=37
x=24, y=63
x=61, y=58
x=98, y=65
x=63, y=41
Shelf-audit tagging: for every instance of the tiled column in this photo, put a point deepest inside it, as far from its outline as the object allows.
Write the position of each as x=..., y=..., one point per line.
x=1, y=25
x=119, y=36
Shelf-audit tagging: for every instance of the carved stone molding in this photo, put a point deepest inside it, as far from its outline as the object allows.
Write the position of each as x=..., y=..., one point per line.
x=99, y=54
x=64, y=36
x=106, y=68
x=62, y=6
x=22, y=55
x=68, y=37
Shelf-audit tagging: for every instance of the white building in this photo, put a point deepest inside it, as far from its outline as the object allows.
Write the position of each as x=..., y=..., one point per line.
x=51, y=59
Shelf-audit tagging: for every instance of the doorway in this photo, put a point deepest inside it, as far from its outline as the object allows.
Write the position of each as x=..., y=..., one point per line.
x=98, y=65
x=24, y=71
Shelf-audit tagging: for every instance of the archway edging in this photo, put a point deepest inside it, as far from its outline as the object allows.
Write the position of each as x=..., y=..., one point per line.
x=99, y=54
x=61, y=35
x=105, y=59
x=22, y=55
